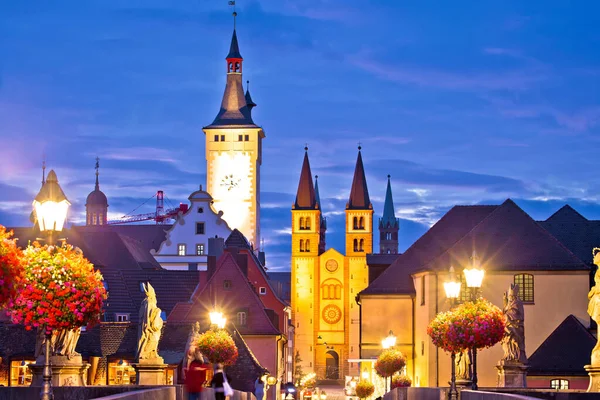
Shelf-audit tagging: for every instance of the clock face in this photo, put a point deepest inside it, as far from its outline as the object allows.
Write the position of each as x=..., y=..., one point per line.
x=230, y=182
x=331, y=265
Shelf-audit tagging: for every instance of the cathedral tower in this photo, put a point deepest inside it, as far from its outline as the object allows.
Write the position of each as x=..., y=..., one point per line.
x=323, y=230
x=388, y=225
x=359, y=214
x=96, y=204
x=234, y=153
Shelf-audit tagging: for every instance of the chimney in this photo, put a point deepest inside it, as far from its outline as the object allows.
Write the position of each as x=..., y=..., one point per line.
x=262, y=259
x=215, y=250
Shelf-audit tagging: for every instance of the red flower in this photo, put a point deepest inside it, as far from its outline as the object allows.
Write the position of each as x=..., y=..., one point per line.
x=11, y=267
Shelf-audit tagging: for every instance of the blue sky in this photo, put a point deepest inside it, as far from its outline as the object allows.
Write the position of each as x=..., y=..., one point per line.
x=462, y=103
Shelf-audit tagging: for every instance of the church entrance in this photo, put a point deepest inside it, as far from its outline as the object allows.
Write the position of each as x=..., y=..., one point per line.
x=332, y=365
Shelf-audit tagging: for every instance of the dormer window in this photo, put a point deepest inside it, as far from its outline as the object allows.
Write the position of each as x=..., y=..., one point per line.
x=200, y=210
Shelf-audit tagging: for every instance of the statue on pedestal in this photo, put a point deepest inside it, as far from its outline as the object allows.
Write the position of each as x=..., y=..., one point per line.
x=513, y=342
x=463, y=366
x=65, y=343
x=150, y=327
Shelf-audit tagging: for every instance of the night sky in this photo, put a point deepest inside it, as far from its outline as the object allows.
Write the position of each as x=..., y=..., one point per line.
x=464, y=102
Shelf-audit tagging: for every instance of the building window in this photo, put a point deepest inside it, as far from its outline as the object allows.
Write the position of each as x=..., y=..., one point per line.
x=246, y=138
x=361, y=223
x=464, y=290
x=20, y=375
x=181, y=249
x=525, y=282
x=199, y=228
x=355, y=223
x=262, y=290
x=216, y=138
x=307, y=246
x=226, y=285
x=559, y=384
x=101, y=219
x=423, y=290
x=301, y=246
x=240, y=138
x=200, y=249
x=242, y=318
x=361, y=245
x=301, y=223
x=121, y=317
x=355, y=244
x=200, y=210
x=307, y=223
x=222, y=138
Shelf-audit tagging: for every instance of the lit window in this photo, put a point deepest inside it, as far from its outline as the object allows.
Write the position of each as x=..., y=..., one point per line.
x=200, y=249
x=200, y=210
x=559, y=384
x=227, y=285
x=199, y=228
x=181, y=249
x=121, y=317
x=262, y=290
x=525, y=282
x=241, y=318
x=20, y=375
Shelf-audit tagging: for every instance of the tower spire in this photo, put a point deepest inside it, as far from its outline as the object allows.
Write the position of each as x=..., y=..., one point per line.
x=97, y=173
x=389, y=216
x=251, y=104
x=359, y=194
x=388, y=224
x=44, y=170
x=305, y=197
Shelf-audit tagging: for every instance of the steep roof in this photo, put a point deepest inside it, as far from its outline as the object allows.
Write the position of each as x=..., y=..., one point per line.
x=359, y=193
x=149, y=236
x=509, y=239
x=305, y=196
x=249, y=102
x=448, y=230
x=389, y=216
x=234, y=48
x=564, y=352
x=237, y=239
x=576, y=232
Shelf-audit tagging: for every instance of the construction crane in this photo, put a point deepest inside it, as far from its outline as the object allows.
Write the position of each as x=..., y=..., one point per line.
x=161, y=216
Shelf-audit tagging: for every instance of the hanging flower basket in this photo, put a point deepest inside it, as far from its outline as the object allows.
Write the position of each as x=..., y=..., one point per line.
x=11, y=267
x=401, y=381
x=389, y=362
x=364, y=389
x=478, y=324
x=218, y=346
x=60, y=290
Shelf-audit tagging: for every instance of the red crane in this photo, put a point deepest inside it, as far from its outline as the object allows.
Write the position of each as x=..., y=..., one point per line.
x=161, y=216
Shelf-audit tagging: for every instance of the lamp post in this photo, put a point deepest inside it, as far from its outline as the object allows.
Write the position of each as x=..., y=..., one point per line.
x=50, y=206
x=386, y=343
x=217, y=319
x=452, y=289
x=474, y=278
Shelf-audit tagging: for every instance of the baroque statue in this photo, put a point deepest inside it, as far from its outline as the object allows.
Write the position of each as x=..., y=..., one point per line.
x=513, y=342
x=190, y=348
x=594, y=305
x=150, y=326
x=463, y=365
x=62, y=343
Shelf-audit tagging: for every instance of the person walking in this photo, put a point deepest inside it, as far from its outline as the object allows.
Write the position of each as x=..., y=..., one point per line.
x=259, y=388
x=218, y=382
x=195, y=376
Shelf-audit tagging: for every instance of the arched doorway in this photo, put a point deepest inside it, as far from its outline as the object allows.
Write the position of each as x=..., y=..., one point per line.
x=332, y=365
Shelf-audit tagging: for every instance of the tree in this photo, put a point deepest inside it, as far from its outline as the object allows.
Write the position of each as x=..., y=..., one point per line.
x=298, y=372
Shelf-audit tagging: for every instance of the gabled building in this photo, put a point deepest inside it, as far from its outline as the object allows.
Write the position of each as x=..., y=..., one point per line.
x=513, y=248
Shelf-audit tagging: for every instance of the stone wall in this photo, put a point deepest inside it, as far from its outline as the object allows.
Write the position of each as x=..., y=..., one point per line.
x=417, y=393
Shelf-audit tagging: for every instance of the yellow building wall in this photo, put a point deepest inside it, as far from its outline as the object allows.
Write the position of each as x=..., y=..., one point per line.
x=239, y=162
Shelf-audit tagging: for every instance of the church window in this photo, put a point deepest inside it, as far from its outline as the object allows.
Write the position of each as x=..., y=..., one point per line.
x=246, y=138
x=100, y=219
x=222, y=138
x=525, y=282
x=307, y=223
x=216, y=138
x=200, y=249
x=423, y=290
x=331, y=289
x=301, y=245
x=301, y=223
x=200, y=210
x=355, y=223
x=355, y=244
x=242, y=318
x=237, y=67
x=240, y=138
x=181, y=249
x=559, y=384
x=230, y=67
x=226, y=285
x=199, y=228
x=94, y=219
x=307, y=245
x=361, y=223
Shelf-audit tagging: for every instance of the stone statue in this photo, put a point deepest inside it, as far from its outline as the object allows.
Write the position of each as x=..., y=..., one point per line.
x=150, y=326
x=65, y=343
x=190, y=348
x=513, y=342
x=594, y=305
x=463, y=366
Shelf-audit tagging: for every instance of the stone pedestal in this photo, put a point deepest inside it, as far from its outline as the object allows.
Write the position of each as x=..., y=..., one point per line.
x=150, y=371
x=594, y=372
x=65, y=372
x=512, y=374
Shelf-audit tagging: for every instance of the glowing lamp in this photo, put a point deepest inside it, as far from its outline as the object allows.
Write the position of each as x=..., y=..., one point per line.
x=51, y=205
x=271, y=380
x=365, y=375
x=389, y=341
x=452, y=286
x=217, y=318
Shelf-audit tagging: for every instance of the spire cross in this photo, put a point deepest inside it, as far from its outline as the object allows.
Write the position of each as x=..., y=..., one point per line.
x=43, y=170
x=97, y=172
x=232, y=3
x=305, y=146
x=359, y=145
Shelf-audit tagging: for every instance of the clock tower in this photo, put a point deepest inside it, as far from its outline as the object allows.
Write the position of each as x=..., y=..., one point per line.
x=234, y=153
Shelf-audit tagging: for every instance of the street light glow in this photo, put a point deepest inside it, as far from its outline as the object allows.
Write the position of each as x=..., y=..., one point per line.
x=452, y=286
x=474, y=275
x=51, y=205
x=217, y=318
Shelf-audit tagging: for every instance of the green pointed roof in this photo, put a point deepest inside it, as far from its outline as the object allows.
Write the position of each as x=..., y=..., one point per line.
x=389, y=216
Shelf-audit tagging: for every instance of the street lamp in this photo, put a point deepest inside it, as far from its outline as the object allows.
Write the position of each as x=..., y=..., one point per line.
x=50, y=206
x=217, y=319
x=388, y=342
x=474, y=278
x=452, y=289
